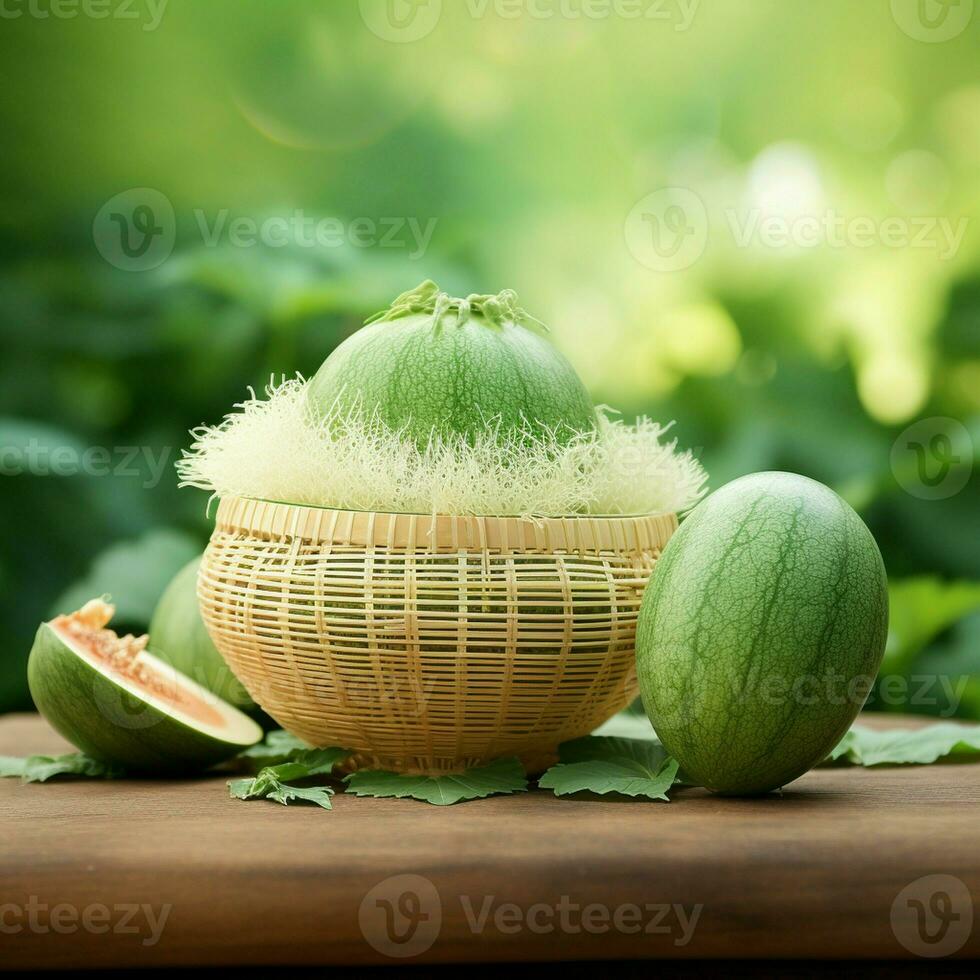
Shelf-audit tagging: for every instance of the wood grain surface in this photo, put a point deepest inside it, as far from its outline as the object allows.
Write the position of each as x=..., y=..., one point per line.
x=145, y=873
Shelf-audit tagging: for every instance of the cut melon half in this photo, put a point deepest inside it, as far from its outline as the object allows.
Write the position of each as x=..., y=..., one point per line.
x=111, y=698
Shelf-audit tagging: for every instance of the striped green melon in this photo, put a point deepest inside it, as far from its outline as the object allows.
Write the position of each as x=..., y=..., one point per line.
x=111, y=698
x=434, y=365
x=178, y=636
x=761, y=632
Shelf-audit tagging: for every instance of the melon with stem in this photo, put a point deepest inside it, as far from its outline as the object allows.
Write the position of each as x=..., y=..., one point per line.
x=438, y=367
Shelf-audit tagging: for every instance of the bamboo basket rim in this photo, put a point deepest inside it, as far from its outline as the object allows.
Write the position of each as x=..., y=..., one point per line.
x=328, y=525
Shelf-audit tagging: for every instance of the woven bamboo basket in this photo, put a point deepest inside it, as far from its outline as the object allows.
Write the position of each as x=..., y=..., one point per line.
x=429, y=644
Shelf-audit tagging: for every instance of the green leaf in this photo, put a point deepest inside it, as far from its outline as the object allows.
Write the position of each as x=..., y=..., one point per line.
x=133, y=573
x=628, y=724
x=302, y=763
x=29, y=442
x=267, y=786
x=320, y=795
x=276, y=742
x=919, y=610
x=597, y=764
x=12, y=766
x=594, y=748
x=320, y=762
x=500, y=776
x=248, y=787
x=40, y=768
x=869, y=747
x=277, y=746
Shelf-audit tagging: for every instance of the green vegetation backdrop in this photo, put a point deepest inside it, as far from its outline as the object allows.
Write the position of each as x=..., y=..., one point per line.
x=757, y=218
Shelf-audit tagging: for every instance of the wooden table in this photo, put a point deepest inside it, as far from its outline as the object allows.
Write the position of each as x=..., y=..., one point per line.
x=150, y=873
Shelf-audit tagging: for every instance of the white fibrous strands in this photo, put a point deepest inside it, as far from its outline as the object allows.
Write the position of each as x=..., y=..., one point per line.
x=277, y=448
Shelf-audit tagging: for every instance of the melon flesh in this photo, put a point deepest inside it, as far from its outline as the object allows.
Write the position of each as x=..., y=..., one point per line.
x=78, y=670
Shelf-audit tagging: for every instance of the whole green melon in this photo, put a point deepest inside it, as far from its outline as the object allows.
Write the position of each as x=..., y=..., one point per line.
x=436, y=365
x=179, y=637
x=761, y=632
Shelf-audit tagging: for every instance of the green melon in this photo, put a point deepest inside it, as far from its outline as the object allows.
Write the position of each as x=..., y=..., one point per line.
x=179, y=637
x=761, y=632
x=116, y=701
x=435, y=365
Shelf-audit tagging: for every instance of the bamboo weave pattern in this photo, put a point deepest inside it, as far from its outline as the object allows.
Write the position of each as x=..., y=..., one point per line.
x=429, y=644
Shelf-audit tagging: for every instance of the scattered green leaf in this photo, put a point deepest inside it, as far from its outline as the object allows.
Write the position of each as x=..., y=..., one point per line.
x=869, y=747
x=268, y=785
x=320, y=795
x=500, y=776
x=604, y=764
x=40, y=768
x=275, y=782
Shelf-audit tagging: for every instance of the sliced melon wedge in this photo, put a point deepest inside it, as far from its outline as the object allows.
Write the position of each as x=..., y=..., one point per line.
x=111, y=698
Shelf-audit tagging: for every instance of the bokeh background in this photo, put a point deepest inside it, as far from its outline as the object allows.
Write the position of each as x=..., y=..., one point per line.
x=760, y=219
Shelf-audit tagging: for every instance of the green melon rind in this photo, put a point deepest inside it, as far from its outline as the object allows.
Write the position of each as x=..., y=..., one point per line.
x=178, y=636
x=771, y=579
x=452, y=368
x=79, y=701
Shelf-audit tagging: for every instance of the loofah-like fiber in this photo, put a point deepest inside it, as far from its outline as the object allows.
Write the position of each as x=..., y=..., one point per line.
x=276, y=448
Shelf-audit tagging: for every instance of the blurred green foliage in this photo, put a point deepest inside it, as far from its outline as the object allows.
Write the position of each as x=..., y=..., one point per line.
x=528, y=140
